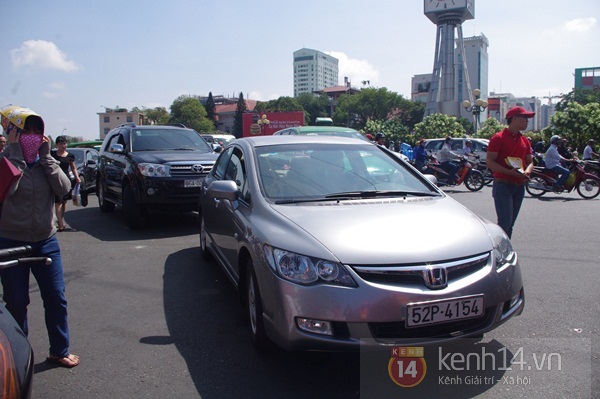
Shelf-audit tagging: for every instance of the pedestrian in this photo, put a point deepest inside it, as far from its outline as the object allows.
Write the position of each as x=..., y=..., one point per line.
x=28, y=218
x=2, y=142
x=67, y=164
x=509, y=157
x=420, y=156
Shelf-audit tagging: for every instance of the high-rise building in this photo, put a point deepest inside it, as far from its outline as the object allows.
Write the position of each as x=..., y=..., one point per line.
x=314, y=70
x=476, y=57
x=587, y=78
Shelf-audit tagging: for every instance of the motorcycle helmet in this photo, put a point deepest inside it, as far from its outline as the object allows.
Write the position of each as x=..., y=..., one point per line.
x=379, y=136
x=554, y=138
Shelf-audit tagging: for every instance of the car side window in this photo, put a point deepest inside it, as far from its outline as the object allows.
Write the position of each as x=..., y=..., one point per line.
x=220, y=166
x=236, y=171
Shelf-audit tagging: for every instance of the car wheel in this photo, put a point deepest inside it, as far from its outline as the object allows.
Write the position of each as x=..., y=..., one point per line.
x=204, y=252
x=135, y=215
x=254, y=310
x=105, y=206
x=83, y=192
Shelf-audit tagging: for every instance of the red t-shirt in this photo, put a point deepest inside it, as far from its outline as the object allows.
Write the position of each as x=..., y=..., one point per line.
x=508, y=144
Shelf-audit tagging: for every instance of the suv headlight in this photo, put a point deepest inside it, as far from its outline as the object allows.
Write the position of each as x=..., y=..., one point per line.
x=504, y=254
x=154, y=169
x=301, y=269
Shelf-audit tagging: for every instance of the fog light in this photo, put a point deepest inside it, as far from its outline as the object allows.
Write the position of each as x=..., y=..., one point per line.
x=315, y=326
x=151, y=191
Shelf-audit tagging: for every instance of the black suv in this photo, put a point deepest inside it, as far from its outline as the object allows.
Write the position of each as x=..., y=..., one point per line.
x=146, y=168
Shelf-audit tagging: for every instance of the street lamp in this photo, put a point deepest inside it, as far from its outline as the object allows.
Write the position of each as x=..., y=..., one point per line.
x=263, y=122
x=63, y=131
x=479, y=106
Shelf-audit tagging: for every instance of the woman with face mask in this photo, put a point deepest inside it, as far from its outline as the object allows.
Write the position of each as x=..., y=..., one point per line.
x=28, y=218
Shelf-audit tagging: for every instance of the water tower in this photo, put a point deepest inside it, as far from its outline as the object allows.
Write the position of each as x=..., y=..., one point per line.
x=448, y=15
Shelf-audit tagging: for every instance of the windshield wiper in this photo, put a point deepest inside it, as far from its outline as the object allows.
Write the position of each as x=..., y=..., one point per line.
x=381, y=193
x=301, y=200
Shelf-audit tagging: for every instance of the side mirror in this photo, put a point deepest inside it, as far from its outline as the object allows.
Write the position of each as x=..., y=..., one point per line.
x=224, y=189
x=117, y=149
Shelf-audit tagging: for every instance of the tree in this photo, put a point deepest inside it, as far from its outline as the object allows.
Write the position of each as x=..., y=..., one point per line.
x=355, y=110
x=157, y=116
x=439, y=125
x=238, y=124
x=190, y=112
x=489, y=127
x=578, y=123
x=211, y=109
x=282, y=104
x=313, y=106
x=581, y=96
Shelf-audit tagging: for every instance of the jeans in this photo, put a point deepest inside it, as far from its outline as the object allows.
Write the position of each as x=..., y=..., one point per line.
x=507, y=200
x=50, y=279
x=563, y=174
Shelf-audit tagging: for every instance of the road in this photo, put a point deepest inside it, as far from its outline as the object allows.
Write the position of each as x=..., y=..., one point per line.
x=150, y=319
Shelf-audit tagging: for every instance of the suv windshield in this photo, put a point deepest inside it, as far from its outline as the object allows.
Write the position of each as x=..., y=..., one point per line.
x=167, y=139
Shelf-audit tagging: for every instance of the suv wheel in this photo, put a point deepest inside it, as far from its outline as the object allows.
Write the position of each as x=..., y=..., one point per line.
x=105, y=206
x=135, y=215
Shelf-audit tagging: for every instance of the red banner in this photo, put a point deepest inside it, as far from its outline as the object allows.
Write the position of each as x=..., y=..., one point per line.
x=267, y=123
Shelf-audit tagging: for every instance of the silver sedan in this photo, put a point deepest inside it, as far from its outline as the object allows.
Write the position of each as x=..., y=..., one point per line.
x=334, y=243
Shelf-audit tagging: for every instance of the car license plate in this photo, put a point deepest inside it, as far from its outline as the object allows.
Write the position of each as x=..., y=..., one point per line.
x=192, y=183
x=434, y=312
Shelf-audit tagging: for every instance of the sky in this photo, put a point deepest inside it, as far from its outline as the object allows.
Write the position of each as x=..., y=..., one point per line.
x=70, y=59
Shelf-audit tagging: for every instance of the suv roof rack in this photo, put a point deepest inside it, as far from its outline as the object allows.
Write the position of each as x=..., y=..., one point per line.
x=178, y=125
x=127, y=124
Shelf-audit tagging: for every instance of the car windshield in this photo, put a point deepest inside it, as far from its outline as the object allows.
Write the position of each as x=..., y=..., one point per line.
x=167, y=139
x=354, y=135
x=301, y=172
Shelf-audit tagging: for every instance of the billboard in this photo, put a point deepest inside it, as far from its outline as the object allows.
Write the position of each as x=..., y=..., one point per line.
x=267, y=123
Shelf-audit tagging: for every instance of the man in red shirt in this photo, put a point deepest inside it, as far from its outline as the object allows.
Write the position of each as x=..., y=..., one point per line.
x=509, y=156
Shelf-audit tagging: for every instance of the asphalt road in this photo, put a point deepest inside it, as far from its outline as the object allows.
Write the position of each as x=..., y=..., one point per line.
x=150, y=319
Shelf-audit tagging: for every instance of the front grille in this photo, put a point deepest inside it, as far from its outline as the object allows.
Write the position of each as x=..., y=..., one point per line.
x=195, y=169
x=394, y=330
x=415, y=275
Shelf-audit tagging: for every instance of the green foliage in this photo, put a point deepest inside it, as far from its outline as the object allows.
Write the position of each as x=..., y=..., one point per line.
x=581, y=96
x=578, y=123
x=355, y=110
x=282, y=104
x=488, y=128
x=190, y=112
x=393, y=129
x=157, y=116
x=438, y=126
x=238, y=125
x=313, y=106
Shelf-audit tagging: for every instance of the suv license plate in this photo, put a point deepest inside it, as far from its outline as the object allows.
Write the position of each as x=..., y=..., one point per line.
x=434, y=312
x=192, y=183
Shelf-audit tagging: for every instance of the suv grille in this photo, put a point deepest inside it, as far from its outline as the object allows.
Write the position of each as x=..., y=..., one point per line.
x=191, y=169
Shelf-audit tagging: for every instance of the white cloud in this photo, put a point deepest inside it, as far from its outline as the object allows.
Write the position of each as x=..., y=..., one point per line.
x=42, y=54
x=580, y=25
x=356, y=70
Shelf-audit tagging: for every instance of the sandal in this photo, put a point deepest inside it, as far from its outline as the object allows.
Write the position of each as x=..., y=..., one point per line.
x=67, y=361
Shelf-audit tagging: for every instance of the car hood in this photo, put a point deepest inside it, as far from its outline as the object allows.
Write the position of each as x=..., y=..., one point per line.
x=174, y=156
x=391, y=231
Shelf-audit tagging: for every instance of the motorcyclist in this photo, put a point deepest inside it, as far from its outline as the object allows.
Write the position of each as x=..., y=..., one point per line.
x=553, y=162
x=588, y=152
x=380, y=139
x=446, y=158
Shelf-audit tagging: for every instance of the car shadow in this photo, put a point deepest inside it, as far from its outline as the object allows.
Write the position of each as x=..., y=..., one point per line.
x=207, y=325
x=111, y=226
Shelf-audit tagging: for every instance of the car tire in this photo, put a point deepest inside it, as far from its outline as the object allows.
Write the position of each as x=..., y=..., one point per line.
x=83, y=192
x=104, y=205
x=135, y=215
x=254, y=310
x=204, y=252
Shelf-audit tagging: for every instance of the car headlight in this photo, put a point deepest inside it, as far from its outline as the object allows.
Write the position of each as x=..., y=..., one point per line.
x=504, y=254
x=301, y=269
x=154, y=169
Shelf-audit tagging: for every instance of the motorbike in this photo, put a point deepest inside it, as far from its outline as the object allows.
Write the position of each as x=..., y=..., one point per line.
x=480, y=165
x=472, y=178
x=16, y=364
x=542, y=181
x=592, y=167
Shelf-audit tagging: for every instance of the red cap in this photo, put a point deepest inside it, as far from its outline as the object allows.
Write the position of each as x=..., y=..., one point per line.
x=514, y=111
